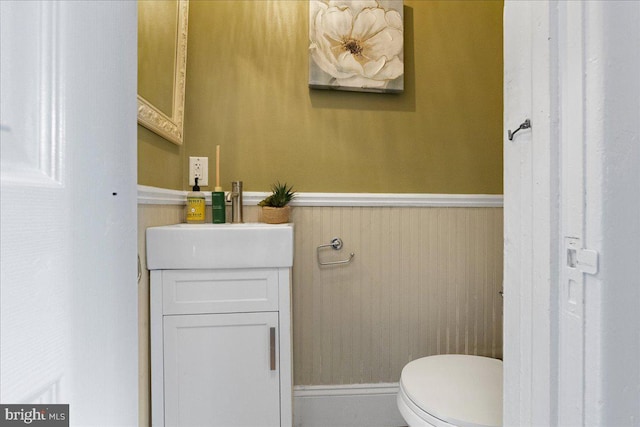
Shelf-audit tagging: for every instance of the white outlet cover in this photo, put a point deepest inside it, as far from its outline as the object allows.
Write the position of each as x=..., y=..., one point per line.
x=199, y=167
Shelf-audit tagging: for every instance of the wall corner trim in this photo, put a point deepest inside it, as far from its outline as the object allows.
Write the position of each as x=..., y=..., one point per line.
x=162, y=196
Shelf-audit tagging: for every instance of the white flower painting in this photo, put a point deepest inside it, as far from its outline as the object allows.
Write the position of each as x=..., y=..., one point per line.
x=356, y=45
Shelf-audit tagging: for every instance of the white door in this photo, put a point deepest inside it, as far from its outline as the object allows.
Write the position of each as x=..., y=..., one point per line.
x=222, y=370
x=68, y=294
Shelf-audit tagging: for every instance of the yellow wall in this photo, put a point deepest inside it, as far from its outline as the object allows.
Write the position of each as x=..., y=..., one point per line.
x=247, y=91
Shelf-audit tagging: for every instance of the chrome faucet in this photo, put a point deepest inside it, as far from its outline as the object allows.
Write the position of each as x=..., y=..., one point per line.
x=235, y=197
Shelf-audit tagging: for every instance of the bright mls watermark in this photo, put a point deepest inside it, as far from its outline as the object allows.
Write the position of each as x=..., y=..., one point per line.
x=34, y=415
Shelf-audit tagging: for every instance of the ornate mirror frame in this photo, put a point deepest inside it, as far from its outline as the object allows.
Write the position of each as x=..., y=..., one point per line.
x=149, y=116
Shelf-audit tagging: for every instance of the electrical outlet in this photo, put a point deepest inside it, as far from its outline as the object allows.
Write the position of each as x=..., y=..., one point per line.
x=199, y=168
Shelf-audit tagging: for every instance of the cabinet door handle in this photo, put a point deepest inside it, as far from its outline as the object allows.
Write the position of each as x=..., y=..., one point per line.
x=272, y=348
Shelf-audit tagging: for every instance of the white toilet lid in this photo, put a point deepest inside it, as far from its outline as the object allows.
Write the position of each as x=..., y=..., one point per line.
x=458, y=389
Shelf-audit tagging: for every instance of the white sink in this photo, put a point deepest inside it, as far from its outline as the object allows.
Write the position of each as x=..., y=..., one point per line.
x=195, y=246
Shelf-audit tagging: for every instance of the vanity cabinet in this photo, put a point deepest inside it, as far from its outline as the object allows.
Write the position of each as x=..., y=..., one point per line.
x=221, y=347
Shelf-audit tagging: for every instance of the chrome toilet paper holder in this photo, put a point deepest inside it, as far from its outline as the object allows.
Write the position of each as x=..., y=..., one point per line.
x=336, y=244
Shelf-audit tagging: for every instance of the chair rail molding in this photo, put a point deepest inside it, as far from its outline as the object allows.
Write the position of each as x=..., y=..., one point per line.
x=155, y=195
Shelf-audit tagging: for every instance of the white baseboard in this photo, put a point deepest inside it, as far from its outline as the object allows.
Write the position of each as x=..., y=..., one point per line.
x=352, y=405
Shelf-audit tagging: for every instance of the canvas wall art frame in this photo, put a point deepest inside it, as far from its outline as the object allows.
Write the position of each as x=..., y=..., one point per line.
x=356, y=45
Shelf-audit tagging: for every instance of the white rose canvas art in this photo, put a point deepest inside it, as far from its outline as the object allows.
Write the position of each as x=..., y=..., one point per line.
x=356, y=45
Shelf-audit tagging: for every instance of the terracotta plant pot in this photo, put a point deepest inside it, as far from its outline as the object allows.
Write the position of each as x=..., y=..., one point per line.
x=272, y=215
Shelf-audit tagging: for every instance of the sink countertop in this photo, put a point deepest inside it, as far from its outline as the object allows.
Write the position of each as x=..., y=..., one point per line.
x=217, y=246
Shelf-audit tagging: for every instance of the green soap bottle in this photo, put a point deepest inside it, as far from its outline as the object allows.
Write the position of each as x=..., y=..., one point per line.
x=218, y=206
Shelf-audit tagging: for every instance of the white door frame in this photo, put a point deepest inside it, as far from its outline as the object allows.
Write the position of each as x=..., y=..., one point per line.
x=572, y=213
x=531, y=219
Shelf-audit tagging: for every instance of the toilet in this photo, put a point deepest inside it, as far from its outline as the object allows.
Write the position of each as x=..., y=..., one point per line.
x=451, y=390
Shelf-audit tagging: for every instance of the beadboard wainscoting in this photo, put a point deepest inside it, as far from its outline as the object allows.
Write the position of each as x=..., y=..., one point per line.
x=425, y=279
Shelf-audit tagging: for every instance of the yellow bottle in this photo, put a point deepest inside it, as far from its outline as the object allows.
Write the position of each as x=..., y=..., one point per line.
x=195, y=205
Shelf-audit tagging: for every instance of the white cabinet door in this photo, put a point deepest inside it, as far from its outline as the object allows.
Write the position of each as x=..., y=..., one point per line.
x=222, y=370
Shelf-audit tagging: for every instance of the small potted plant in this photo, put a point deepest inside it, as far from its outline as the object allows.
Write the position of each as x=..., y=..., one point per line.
x=275, y=207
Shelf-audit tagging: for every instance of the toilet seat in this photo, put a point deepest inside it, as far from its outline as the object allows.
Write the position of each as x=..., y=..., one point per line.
x=414, y=416
x=452, y=390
